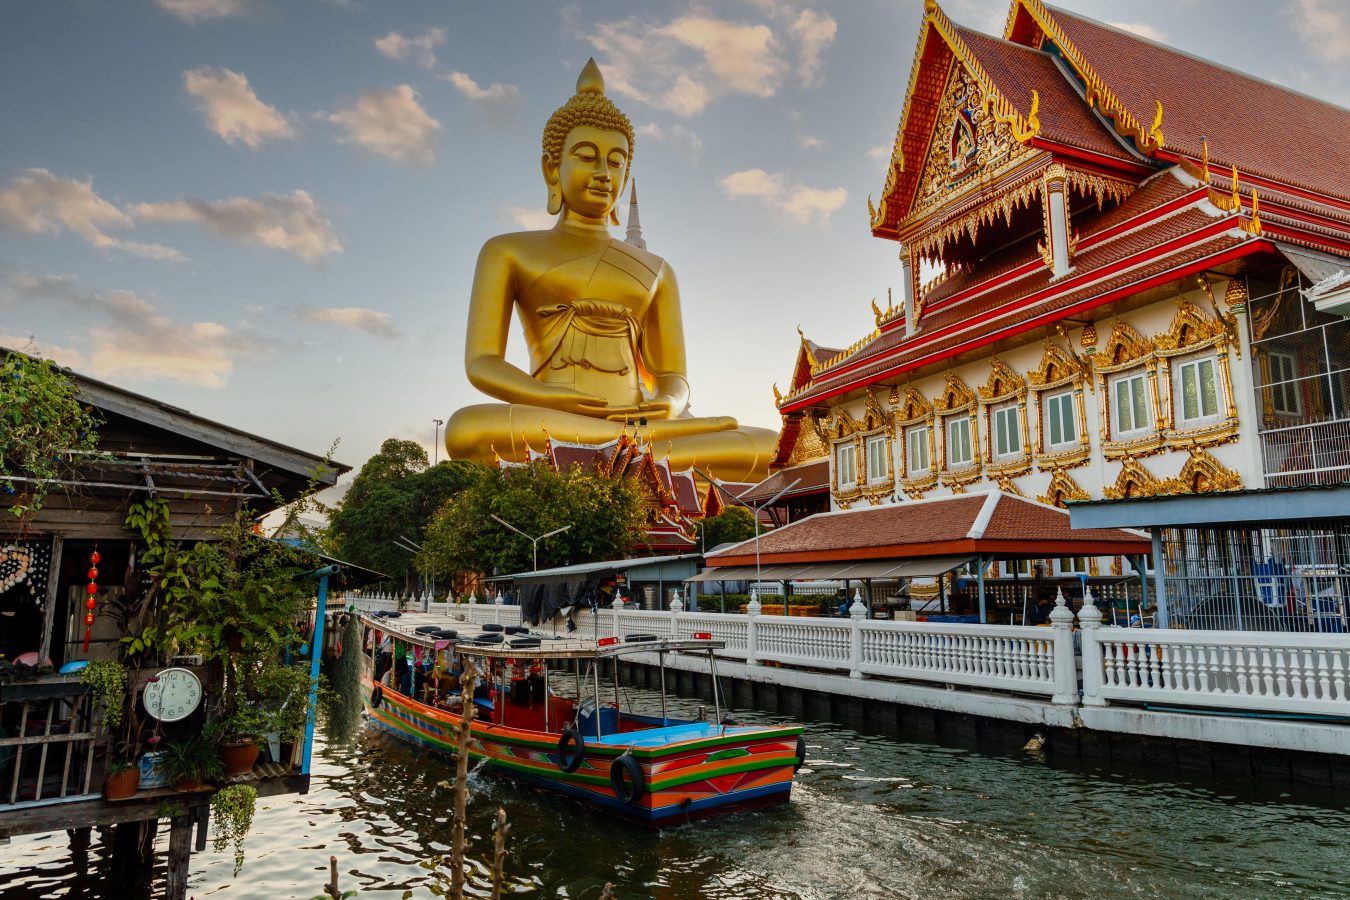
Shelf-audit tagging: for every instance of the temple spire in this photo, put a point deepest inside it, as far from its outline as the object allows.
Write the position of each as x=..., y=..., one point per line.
x=634, y=235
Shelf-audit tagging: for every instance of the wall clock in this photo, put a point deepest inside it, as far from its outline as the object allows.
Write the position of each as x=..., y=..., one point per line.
x=174, y=696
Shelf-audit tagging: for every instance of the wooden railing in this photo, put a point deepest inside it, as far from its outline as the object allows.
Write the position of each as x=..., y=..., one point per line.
x=49, y=743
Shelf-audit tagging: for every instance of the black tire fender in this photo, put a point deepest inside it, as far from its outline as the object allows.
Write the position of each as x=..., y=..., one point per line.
x=376, y=697
x=627, y=765
x=801, y=753
x=571, y=750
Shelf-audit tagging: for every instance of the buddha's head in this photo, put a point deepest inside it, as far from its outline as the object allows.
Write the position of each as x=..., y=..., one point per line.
x=588, y=149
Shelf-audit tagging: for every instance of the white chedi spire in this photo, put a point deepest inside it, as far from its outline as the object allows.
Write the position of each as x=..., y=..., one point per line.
x=634, y=236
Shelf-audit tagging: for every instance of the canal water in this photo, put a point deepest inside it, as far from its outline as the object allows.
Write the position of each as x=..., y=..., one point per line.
x=870, y=817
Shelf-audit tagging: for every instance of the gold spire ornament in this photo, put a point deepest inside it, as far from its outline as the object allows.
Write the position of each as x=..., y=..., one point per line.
x=601, y=318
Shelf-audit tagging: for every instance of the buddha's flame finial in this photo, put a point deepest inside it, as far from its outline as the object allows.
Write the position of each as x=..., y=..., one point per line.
x=590, y=81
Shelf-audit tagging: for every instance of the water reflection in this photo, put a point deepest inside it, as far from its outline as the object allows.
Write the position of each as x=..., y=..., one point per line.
x=871, y=817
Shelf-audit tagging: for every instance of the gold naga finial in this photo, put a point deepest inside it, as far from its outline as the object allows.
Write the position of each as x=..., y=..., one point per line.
x=1204, y=159
x=590, y=81
x=777, y=394
x=876, y=312
x=1254, y=226
x=1155, y=134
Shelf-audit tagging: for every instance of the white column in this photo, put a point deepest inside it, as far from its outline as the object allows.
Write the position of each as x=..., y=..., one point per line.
x=497, y=603
x=1059, y=227
x=1089, y=621
x=857, y=614
x=907, y=290
x=1066, y=672
x=614, y=615
x=676, y=607
x=752, y=629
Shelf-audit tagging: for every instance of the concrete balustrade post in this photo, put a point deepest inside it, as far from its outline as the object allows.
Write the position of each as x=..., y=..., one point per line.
x=752, y=629
x=497, y=603
x=614, y=613
x=1066, y=669
x=857, y=614
x=676, y=607
x=1089, y=621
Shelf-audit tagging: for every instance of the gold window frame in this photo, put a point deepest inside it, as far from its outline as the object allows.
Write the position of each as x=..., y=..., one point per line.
x=915, y=411
x=1003, y=389
x=1059, y=371
x=1125, y=351
x=1190, y=335
x=957, y=400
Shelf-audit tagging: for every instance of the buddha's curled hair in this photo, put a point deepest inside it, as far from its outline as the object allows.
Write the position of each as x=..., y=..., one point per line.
x=585, y=108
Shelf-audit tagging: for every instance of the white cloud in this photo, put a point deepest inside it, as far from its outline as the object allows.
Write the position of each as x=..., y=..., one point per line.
x=684, y=64
x=376, y=324
x=814, y=32
x=194, y=11
x=494, y=94
x=38, y=202
x=681, y=138
x=1143, y=29
x=232, y=109
x=880, y=151
x=773, y=189
x=421, y=49
x=530, y=218
x=291, y=222
x=1324, y=26
x=138, y=342
x=28, y=343
x=390, y=123
x=810, y=142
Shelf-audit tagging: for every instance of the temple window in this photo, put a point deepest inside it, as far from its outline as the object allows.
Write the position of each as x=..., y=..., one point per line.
x=916, y=450
x=959, y=449
x=877, y=452
x=1007, y=432
x=846, y=464
x=1197, y=398
x=1060, y=428
x=1130, y=409
x=1284, y=397
x=1071, y=565
x=1016, y=567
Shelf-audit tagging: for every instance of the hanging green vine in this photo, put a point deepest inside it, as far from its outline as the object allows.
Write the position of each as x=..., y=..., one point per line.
x=107, y=682
x=42, y=424
x=232, y=817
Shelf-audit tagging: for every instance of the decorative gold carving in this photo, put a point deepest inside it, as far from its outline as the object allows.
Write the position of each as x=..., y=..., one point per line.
x=1235, y=297
x=777, y=395
x=1003, y=383
x=809, y=444
x=1057, y=368
x=1253, y=225
x=1008, y=486
x=1203, y=474
x=1088, y=339
x=1190, y=330
x=1061, y=368
x=893, y=398
x=1117, y=567
x=1134, y=482
x=1124, y=347
x=1062, y=489
x=914, y=409
x=1095, y=89
x=955, y=397
x=874, y=416
x=1005, y=386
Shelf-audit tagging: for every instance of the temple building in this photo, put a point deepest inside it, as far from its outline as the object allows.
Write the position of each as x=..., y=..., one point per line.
x=1124, y=275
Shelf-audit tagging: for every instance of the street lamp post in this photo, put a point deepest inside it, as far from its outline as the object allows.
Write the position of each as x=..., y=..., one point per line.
x=756, y=510
x=533, y=540
x=436, y=442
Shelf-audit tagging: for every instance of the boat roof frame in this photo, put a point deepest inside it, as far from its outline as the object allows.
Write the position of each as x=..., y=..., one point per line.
x=560, y=649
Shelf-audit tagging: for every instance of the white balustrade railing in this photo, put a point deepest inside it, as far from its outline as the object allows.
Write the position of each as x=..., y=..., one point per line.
x=1241, y=670
x=1255, y=671
x=999, y=657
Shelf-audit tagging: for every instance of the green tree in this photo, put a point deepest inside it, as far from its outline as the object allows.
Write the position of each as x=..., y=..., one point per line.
x=392, y=499
x=733, y=525
x=607, y=516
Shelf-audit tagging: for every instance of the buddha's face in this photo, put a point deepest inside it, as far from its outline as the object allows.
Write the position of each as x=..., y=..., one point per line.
x=593, y=171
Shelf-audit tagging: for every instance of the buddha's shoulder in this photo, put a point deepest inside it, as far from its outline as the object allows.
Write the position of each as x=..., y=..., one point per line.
x=650, y=260
x=550, y=248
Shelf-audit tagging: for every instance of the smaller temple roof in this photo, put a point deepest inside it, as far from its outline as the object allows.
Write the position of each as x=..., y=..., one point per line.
x=812, y=477
x=989, y=524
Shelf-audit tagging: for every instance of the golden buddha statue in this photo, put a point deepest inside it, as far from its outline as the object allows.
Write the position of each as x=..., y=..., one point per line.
x=601, y=318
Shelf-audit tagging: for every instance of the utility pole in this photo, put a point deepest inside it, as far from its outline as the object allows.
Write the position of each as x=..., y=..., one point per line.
x=533, y=540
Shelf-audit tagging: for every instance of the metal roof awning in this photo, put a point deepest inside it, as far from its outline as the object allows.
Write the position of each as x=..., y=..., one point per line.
x=914, y=567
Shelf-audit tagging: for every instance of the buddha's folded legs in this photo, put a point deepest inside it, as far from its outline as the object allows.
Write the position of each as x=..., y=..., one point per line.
x=488, y=430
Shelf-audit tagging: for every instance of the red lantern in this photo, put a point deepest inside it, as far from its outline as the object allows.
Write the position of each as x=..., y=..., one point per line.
x=91, y=603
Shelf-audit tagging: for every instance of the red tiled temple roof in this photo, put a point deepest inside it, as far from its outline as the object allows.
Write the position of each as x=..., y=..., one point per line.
x=813, y=477
x=1261, y=127
x=994, y=523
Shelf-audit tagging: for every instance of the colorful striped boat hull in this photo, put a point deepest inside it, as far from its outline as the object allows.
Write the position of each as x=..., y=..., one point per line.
x=715, y=770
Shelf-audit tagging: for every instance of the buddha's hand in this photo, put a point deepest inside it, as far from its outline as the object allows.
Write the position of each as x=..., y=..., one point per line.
x=578, y=402
x=661, y=406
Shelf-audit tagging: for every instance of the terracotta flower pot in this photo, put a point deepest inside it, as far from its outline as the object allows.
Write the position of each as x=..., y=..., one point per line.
x=189, y=783
x=238, y=756
x=121, y=785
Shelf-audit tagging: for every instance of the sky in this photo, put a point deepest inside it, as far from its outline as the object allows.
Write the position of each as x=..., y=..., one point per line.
x=268, y=211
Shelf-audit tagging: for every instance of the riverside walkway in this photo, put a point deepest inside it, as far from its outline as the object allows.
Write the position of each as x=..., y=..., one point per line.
x=1283, y=692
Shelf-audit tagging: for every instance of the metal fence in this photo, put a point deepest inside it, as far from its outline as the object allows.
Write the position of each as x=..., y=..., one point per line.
x=1291, y=578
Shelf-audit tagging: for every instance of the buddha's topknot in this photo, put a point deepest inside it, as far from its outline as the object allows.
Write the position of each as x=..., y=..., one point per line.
x=588, y=106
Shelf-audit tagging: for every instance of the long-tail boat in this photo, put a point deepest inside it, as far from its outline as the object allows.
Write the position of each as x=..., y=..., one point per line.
x=655, y=769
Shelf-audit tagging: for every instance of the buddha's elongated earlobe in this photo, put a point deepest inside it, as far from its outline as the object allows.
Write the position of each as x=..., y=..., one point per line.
x=614, y=217
x=555, y=200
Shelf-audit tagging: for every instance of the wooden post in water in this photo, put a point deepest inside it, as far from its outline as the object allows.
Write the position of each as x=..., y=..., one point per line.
x=180, y=854
x=133, y=857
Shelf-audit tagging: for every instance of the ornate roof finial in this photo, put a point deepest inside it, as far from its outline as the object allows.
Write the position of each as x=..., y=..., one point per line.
x=590, y=81
x=1204, y=159
x=633, y=237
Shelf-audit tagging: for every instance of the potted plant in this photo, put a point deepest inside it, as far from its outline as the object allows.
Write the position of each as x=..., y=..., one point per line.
x=232, y=816
x=121, y=780
x=243, y=730
x=189, y=762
